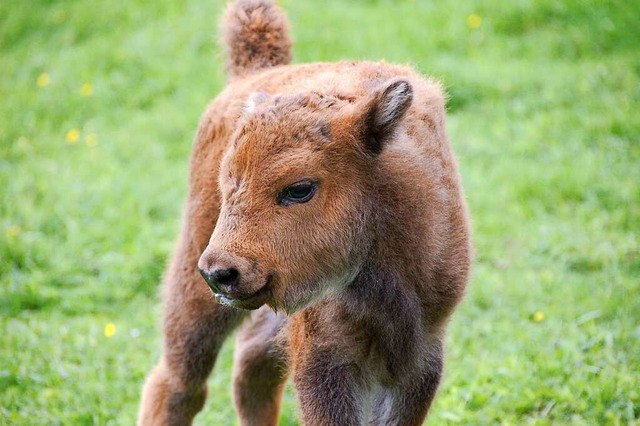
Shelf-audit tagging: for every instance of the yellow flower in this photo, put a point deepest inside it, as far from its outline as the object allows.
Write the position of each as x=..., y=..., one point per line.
x=86, y=90
x=91, y=139
x=109, y=330
x=43, y=80
x=538, y=316
x=73, y=135
x=13, y=231
x=474, y=21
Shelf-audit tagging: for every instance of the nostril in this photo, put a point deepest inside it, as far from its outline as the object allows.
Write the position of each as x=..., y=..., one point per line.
x=226, y=277
x=208, y=277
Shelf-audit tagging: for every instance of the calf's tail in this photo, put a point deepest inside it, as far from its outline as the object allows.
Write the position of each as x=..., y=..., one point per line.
x=255, y=34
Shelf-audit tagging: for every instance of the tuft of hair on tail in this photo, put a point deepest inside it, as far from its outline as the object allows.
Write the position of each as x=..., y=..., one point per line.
x=255, y=35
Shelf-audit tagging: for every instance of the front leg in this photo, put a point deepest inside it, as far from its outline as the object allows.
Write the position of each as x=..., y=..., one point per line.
x=408, y=403
x=331, y=391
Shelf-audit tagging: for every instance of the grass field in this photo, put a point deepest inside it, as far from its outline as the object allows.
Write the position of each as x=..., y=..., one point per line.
x=98, y=105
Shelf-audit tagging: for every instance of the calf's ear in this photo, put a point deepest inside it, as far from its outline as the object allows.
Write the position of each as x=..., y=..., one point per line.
x=383, y=111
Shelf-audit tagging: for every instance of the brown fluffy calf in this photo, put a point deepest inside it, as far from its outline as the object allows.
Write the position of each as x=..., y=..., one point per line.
x=327, y=193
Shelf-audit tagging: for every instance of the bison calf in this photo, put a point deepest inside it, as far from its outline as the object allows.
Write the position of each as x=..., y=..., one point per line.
x=326, y=216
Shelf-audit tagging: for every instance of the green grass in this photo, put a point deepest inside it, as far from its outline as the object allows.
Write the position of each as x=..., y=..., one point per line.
x=544, y=117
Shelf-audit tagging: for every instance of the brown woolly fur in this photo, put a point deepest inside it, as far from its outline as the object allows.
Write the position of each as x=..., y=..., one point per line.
x=256, y=36
x=326, y=216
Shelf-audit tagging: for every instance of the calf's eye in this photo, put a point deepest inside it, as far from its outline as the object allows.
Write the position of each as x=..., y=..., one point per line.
x=299, y=192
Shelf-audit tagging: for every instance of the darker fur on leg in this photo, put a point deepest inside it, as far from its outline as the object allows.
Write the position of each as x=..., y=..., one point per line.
x=330, y=391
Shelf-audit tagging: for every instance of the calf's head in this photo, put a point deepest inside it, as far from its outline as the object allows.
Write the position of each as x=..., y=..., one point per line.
x=298, y=204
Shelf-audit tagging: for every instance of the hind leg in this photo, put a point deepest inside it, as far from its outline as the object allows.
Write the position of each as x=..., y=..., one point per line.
x=176, y=388
x=195, y=327
x=260, y=369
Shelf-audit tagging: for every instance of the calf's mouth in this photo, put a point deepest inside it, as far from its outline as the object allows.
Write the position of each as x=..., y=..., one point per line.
x=240, y=300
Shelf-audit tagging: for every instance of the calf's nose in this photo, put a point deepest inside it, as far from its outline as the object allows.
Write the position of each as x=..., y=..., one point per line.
x=220, y=278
